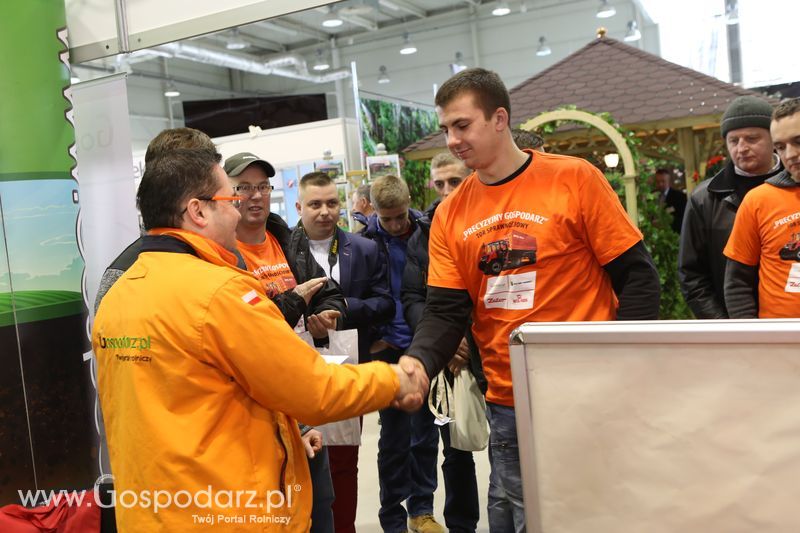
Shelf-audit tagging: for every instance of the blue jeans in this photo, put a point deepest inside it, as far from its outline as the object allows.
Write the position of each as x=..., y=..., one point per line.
x=322, y=486
x=506, y=507
x=407, y=453
x=461, y=507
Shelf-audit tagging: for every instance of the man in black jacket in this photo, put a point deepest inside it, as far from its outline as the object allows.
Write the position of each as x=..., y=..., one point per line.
x=712, y=207
x=359, y=267
x=461, y=507
x=672, y=200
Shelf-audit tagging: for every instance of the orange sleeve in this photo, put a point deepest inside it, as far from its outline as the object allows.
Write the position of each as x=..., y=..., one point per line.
x=246, y=336
x=744, y=244
x=442, y=270
x=609, y=230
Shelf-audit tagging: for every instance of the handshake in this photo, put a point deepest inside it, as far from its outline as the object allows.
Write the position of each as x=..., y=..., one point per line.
x=414, y=384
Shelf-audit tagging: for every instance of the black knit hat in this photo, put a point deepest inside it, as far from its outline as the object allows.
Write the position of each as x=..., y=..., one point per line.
x=746, y=112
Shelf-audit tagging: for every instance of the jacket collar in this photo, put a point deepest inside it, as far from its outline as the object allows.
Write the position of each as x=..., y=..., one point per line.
x=724, y=181
x=203, y=247
x=345, y=258
x=783, y=179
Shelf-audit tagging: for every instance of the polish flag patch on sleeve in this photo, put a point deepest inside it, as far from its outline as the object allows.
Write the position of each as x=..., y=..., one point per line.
x=251, y=298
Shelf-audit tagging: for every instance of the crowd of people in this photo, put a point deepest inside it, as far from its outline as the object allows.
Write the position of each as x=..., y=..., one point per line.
x=206, y=386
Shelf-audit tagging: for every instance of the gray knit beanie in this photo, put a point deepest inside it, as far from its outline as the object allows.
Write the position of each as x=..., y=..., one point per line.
x=746, y=112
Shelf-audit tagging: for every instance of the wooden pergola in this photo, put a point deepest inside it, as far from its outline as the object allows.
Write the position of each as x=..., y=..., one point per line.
x=675, y=111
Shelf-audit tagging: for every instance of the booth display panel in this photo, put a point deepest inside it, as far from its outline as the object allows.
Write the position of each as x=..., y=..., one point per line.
x=659, y=426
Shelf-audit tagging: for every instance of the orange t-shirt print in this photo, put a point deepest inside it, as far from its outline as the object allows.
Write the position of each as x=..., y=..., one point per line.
x=267, y=263
x=530, y=249
x=766, y=232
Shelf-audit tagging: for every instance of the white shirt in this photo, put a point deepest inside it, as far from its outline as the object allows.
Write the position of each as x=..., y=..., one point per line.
x=321, y=250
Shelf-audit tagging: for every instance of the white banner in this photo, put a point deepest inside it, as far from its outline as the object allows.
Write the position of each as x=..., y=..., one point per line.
x=109, y=218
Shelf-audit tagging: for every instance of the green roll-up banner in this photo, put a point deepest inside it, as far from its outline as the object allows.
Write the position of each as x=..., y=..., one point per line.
x=47, y=437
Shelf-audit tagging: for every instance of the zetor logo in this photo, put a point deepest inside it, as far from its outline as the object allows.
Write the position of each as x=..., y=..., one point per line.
x=133, y=343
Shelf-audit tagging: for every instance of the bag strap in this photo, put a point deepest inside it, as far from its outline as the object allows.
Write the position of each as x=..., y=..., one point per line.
x=440, y=399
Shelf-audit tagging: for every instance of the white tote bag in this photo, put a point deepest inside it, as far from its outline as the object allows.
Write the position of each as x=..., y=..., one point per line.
x=341, y=343
x=469, y=429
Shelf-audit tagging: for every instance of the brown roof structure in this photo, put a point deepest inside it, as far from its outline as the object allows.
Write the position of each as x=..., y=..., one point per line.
x=641, y=91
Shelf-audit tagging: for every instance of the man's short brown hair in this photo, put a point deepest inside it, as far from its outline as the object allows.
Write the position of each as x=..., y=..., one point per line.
x=186, y=138
x=786, y=108
x=444, y=159
x=169, y=180
x=486, y=87
x=389, y=192
x=316, y=179
x=363, y=192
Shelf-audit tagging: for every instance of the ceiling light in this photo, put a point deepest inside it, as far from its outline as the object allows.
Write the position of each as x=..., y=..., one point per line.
x=605, y=10
x=383, y=77
x=501, y=9
x=731, y=12
x=171, y=91
x=633, y=32
x=321, y=63
x=408, y=47
x=235, y=41
x=544, y=48
x=332, y=20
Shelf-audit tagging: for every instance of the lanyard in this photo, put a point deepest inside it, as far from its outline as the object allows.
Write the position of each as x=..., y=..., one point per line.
x=333, y=253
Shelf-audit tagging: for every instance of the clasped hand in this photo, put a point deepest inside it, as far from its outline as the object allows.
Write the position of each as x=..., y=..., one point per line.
x=414, y=384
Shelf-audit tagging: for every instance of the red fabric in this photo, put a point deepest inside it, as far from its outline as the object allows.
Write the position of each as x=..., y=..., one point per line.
x=344, y=474
x=58, y=517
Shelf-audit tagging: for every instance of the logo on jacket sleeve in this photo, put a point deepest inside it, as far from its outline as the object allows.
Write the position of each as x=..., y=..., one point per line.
x=251, y=298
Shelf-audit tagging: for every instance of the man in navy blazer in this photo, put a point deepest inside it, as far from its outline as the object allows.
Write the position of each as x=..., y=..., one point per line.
x=359, y=268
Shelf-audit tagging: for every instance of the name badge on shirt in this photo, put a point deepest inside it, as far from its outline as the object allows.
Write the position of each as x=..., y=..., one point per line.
x=793, y=282
x=514, y=291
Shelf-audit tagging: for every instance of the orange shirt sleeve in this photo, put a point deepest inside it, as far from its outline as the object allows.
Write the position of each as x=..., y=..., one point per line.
x=442, y=270
x=744, y=244
x=609, y=230
x=280, y=371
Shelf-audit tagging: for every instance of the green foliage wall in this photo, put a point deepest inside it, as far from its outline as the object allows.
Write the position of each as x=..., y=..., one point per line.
x=654, y=222
x=398, y=126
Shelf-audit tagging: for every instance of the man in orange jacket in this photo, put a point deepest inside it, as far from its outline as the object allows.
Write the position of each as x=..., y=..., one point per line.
x=200, y=377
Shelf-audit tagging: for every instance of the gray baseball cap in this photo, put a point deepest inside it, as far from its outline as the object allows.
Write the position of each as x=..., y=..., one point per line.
x=236, y=164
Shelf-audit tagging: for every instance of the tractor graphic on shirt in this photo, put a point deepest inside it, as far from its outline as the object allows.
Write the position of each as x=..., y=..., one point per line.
x=791, y=252
x=514, y=251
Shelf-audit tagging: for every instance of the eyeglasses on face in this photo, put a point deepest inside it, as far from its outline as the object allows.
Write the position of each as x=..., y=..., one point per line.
x=453, y=182
x=248, y=190
x=235, y=201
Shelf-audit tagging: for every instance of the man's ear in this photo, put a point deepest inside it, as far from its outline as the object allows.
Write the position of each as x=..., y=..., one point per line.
x=196, y=212
x=501, y=119
x=297, y=206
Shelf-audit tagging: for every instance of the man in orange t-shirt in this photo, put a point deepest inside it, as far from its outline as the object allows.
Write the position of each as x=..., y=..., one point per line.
x=764, y=246
x=294, y=282
x=527, y=237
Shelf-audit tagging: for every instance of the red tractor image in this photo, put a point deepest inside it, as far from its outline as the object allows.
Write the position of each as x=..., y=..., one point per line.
x=505, y=254
x=791, y=252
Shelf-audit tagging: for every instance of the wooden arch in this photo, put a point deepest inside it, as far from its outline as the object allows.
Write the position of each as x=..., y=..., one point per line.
x=628, y=178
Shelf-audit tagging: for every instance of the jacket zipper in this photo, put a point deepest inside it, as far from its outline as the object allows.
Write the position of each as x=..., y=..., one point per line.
x=285, y=461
